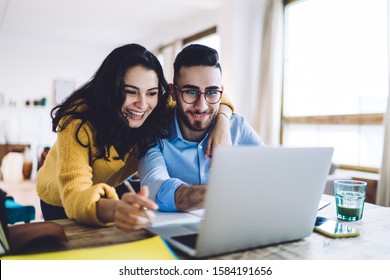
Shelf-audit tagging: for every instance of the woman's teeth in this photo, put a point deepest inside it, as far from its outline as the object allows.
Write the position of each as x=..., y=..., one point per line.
x=134, y=113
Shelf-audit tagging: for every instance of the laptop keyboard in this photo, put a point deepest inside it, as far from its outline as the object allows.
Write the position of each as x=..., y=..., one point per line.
x=189, y=240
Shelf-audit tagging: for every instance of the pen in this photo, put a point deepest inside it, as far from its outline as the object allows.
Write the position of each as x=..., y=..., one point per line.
x=130, y=188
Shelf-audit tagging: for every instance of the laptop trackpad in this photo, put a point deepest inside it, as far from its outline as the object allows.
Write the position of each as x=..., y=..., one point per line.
x=175, y=229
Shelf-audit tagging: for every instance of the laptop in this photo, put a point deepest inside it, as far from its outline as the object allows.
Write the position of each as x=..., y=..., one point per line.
x=256, y=197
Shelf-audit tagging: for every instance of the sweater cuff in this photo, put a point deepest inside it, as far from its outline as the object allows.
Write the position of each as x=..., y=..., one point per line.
x=87, y=212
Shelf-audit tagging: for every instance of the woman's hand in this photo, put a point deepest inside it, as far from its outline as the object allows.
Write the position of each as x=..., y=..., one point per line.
x=220, y=134
x=132, y=212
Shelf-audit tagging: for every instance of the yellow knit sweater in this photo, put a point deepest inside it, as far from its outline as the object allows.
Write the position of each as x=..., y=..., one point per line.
x=71, y=179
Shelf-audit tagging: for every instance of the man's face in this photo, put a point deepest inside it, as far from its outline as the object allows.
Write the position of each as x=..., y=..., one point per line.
x=197, y=117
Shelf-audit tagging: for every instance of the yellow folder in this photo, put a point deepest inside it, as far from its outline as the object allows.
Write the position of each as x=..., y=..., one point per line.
x=153, y=248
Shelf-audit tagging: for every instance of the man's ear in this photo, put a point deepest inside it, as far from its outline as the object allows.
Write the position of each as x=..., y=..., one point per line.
x=172, y=91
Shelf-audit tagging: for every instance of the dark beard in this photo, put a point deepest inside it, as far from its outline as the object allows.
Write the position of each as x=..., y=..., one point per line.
x=197, y=126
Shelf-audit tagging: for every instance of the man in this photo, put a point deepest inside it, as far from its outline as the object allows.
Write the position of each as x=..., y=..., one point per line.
x=176, y=169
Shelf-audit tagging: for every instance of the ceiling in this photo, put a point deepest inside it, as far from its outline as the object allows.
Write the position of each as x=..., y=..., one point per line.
x=103, y=22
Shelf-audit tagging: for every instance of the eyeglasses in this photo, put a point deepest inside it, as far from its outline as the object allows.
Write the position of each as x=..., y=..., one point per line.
x=191, y=96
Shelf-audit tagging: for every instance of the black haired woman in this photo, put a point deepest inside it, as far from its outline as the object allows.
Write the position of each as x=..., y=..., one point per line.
x=103, y=129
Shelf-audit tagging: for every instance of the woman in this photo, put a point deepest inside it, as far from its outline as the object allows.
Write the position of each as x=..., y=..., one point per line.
x=103, y=128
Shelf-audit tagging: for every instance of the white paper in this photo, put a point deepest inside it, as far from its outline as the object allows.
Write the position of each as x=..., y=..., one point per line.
x=167, y=218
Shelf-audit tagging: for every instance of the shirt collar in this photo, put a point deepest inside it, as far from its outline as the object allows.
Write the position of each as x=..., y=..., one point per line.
x=176, y=132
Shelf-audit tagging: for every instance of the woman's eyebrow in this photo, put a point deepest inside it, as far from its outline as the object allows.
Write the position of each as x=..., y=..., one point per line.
x=137, y=88
x=154, y=88
x=131, y=86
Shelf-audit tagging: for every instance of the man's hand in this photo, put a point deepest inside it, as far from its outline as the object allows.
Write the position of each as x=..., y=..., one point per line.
x=190, y=197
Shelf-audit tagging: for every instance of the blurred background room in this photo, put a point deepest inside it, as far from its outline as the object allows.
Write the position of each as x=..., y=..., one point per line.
x=302, y=72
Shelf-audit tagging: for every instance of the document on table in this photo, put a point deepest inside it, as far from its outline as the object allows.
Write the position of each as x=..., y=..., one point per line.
x=167, y=218
x=323, y=204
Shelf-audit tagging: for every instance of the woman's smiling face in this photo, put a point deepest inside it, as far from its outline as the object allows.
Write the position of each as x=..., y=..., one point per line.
x=141, y=87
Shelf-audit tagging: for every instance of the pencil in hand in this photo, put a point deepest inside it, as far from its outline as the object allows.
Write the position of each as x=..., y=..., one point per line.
x=130, y=188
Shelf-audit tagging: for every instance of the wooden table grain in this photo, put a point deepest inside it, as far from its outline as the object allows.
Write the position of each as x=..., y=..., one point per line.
x=373, y=242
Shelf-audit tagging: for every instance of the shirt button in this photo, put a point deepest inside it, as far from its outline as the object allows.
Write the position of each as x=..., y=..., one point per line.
x=200, y=147
x=202, y=174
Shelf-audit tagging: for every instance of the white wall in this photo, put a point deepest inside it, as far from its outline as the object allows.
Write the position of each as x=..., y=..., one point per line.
x=240, y=29
x=170, y=32
x=29, y=66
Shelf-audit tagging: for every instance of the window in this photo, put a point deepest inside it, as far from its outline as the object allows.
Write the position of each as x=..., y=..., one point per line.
x=335, y=86
x=208, y=37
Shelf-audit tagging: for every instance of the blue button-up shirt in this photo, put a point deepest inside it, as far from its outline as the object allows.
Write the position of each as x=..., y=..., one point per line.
x=175, y=161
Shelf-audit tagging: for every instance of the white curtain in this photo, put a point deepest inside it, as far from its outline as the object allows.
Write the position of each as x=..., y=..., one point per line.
x=169, y=53
x=383, y=191
x=267, y=120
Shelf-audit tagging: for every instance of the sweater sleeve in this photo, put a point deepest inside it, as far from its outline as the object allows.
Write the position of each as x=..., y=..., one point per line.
x=77, y=191
x=226, y=100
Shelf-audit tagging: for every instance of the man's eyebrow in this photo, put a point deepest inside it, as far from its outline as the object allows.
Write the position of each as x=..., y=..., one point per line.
x=190, y=86
x=196, y=87
x=213, y=87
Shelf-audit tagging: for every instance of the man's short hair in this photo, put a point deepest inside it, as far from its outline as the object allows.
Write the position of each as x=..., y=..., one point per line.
x=195, y=55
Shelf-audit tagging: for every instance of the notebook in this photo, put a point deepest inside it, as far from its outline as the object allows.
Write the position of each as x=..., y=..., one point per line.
x=256, y=197
x=153, y=248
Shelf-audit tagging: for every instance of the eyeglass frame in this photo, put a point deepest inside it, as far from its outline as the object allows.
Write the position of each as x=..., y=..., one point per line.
x=199, y=94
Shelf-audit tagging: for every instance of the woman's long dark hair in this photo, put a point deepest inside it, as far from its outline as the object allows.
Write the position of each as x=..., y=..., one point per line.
x=99, y=103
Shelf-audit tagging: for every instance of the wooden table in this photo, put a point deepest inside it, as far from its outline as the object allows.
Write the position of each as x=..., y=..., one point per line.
x=373, y=242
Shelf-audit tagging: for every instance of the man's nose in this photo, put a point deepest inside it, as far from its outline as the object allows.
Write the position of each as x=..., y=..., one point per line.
x=201, y=103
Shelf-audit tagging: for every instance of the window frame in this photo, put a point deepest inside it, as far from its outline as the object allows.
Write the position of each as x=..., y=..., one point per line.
x=199, y=35
x=348, y=119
